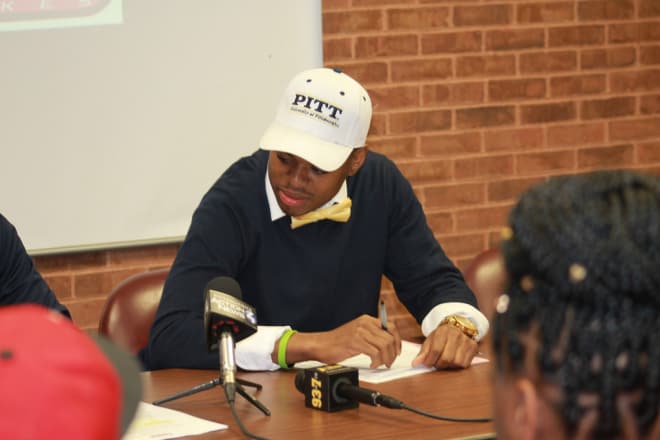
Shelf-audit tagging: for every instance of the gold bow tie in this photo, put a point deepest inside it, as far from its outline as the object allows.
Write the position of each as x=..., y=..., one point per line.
x=339, y=212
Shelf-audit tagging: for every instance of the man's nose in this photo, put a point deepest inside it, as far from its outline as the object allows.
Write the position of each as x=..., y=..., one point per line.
x=299, y=175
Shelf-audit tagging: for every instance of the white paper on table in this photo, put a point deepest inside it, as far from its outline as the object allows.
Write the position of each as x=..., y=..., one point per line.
x=155, y=422
x=401, y=367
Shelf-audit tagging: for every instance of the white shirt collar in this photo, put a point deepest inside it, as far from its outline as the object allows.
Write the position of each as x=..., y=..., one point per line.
x=277, y=213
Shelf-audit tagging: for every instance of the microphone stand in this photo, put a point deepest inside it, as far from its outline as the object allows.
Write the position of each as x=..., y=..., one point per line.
x=240, y=383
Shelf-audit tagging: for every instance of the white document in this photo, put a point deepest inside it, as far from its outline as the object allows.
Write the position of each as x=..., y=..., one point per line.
x=401, y=367
x=155, y=422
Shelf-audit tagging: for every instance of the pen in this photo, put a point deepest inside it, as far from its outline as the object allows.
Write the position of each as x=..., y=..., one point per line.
x=383, y=315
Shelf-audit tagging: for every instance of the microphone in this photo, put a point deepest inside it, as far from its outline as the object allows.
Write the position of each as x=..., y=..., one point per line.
x=335, y=387
x=227, y=320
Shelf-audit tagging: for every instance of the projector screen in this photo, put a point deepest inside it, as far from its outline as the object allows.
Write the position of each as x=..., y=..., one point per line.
x=117, y=116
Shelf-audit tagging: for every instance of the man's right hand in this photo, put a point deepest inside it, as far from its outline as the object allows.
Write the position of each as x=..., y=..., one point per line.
x=361, y=335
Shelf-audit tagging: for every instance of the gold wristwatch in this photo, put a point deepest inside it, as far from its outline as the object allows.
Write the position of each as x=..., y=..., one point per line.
x=463, y=324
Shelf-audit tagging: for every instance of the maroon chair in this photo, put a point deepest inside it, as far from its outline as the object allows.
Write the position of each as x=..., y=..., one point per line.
x=130, y=309
x=486, y=276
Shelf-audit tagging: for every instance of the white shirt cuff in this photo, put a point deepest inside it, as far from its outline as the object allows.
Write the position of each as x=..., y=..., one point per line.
x=254, y=353
x=441, y=311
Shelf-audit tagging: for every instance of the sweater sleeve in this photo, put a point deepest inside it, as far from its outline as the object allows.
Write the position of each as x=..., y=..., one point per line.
x=422, y=274
x=213, y=247
x=20, y=282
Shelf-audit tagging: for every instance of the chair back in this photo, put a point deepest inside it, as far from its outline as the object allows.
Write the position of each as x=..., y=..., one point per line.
x=486, y=276
x=130, y=309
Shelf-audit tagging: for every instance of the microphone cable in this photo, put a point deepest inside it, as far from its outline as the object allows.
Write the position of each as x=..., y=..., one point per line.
x=390, y=402
x=446, y=418
x=241, y=426
x=237, y=419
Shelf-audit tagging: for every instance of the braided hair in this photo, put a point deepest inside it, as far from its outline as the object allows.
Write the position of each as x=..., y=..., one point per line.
x=583, y=258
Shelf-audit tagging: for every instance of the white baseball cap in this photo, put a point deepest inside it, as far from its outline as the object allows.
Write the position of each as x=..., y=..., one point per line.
x=323, y=115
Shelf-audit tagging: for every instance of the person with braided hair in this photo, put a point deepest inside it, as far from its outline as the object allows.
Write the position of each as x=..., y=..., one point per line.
x=576, y=333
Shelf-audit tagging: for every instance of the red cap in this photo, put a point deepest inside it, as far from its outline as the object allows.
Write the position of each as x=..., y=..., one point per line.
x=57, y=382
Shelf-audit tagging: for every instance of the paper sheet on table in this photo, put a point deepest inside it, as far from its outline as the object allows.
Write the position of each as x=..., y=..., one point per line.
x=155, y=422
x=401, y=367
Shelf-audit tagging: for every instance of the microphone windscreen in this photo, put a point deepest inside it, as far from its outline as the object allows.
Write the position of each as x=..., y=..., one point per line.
x=300, y=381
x=224, y=311
x=226, y=285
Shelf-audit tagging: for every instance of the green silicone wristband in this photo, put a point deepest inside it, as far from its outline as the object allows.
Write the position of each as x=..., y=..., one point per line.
x=281, y=350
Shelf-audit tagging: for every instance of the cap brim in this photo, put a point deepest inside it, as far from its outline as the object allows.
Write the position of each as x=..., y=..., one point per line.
x=128, y=369
x=327, y=156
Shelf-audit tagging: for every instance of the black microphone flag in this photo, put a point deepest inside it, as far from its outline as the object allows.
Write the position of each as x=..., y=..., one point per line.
x=320, y=385
x=336, y=387
x=224, y=311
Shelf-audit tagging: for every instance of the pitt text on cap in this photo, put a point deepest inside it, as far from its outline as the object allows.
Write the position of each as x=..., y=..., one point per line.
x=321, y=110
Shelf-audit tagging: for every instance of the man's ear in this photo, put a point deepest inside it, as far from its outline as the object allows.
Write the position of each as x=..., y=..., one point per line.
x=356, y=160
x=526, y=409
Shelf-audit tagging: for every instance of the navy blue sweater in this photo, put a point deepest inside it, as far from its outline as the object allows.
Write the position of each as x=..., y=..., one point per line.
x=314, y=278
x=19, y=280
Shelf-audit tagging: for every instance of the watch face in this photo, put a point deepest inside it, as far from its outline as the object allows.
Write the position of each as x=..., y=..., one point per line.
x=466, y=326
x=465, y=322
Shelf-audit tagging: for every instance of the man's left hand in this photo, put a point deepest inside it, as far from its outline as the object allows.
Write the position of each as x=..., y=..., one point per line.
x=447, y=347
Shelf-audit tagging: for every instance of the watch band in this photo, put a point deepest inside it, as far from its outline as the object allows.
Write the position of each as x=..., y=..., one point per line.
x=463, y=324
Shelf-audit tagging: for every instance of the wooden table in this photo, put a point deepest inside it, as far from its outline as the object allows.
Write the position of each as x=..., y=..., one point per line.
x=461, y=393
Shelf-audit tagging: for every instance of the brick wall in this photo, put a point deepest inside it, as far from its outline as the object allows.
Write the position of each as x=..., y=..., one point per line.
x=475, y=101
